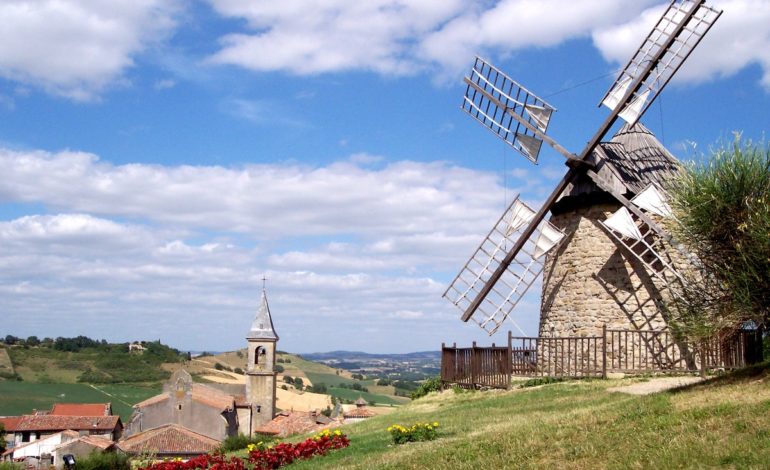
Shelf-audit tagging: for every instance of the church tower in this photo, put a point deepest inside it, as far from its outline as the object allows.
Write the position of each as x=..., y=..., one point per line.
x=260, y=371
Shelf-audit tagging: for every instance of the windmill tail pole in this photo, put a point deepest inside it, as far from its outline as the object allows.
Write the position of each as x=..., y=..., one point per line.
x=536, y=219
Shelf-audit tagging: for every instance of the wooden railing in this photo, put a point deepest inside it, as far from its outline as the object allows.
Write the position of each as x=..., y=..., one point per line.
x=476, y=366
x=626, y=351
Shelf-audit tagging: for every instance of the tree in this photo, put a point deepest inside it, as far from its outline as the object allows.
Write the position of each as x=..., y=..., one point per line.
x=298, y=383
x=33, y=341
x=723, y=208
x=279, y=368
x=2, y=438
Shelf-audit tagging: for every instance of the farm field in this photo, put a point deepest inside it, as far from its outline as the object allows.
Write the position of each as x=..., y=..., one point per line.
x=18, y=398
x=349, y=394
x=723, y=422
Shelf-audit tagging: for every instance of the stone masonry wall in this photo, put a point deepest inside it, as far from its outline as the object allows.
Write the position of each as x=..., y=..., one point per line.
x=591, y=281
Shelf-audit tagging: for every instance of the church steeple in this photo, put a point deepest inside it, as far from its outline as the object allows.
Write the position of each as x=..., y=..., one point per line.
x=262, y=327
x=260, y=368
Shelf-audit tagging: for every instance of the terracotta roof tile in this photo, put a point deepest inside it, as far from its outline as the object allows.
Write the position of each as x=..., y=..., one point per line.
x=153, y=400
x=288, y=423
x=81, y=409
x=200, y=393
x=212, y=397
x=96, y=441
x=10, y=423
x=358, y=412
x=168, y=439
x=77, y=423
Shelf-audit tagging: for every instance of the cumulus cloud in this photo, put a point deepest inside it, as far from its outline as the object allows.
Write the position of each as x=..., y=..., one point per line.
x=739, y=38
x=76, y=48
x=393, y=38
x=270, y=200
x=178, y=252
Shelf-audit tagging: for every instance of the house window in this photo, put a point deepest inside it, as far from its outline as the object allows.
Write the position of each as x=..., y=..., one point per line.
x=25, y=437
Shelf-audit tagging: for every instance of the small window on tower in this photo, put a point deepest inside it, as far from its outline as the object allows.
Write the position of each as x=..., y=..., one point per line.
x=259, y=354
x=179, y=407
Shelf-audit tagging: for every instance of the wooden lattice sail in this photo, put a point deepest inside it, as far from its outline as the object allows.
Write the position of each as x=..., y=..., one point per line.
x=519, y=275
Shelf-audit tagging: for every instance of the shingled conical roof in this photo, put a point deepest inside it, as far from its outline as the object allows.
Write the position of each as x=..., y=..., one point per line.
x=262, y=327
x=629, y=162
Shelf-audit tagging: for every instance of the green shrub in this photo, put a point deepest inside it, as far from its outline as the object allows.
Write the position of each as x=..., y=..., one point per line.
x=103, y=461
x=430, y=385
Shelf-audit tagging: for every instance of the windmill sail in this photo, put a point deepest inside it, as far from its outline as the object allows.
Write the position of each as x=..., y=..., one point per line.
x=684, y=23
x=506, y=108
x=518, y=276
x=640, y=240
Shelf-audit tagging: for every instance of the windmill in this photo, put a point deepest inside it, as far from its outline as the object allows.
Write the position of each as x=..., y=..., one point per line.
x=612, y=191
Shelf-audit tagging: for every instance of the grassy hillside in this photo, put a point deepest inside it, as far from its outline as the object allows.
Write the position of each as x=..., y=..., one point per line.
x=22, y=397
x=93, y=363
x=725, y=422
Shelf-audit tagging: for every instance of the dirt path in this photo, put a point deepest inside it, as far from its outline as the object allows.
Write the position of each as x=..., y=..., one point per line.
x=656, y=385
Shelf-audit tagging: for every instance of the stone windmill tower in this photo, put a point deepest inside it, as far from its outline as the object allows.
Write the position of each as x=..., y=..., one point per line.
x=591, y=279
x=260, y=371
x=605, y=256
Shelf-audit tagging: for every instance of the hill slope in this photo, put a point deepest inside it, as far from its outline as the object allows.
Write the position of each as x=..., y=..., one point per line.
x=723, y=422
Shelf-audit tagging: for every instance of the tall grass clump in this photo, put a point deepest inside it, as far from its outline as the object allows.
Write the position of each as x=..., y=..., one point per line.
x=722, y=206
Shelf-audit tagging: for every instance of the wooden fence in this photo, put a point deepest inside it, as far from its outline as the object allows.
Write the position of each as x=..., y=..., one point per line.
x=626, y=351
x=477, y=367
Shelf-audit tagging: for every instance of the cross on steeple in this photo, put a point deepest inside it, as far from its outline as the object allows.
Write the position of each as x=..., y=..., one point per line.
x=264, y=280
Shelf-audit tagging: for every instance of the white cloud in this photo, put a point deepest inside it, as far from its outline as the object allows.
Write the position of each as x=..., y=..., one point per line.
x=396, y=38
x=393, y=37
x=270, y=200
x=76, y=48
x=178, y=252
x=739, y=38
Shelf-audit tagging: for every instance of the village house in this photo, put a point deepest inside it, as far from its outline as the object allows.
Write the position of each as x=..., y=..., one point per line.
x=359, y=413
x=288, y=423
x=37, y=438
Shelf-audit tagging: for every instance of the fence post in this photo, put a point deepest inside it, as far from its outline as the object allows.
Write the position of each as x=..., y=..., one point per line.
x=510, y=358
x=604, y=351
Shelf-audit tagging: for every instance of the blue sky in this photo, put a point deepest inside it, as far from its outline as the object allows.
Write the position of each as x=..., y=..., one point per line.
x=160, y=157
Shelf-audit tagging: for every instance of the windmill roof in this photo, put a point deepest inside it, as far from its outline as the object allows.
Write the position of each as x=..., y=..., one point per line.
x=262, y=327
x=629, y=162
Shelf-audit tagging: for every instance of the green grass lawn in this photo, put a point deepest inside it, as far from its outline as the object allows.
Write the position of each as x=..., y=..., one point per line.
x=348, y=394
x=18, y=398
x=579, y=425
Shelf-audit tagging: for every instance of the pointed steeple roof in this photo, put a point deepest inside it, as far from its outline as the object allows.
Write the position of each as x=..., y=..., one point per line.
x=262, y=327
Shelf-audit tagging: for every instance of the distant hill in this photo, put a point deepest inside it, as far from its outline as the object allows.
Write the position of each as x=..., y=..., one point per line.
x=82, y=359
x=358, y=355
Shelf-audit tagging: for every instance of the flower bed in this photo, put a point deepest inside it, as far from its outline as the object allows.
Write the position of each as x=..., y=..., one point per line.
x=262, y=457
x=414, y=433
x=285, y=453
